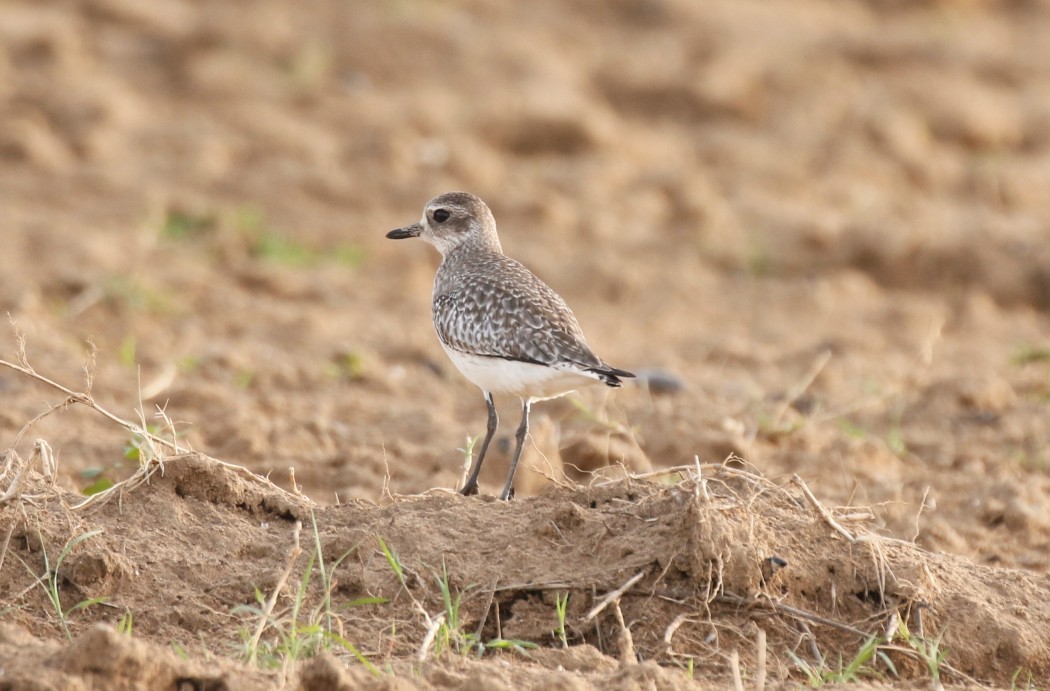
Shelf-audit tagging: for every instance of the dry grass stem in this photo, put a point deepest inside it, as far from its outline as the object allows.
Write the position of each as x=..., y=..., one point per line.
x=550, y=474
x=614, y=595
x=7, y=542
x=734, y=668
x=485, y=612
x=680, y=469
x=824, y=513
x=890, y=630
x=814, y=371
x=760, y=672
x=781, y=608
x=160, y=383
x=669, y=632
x=627, y=654
x=152, y=443
x=87, y=400
x=42, y=453
x=428, y=639
x=918, y=514
x=293, y=554
x=696, y=475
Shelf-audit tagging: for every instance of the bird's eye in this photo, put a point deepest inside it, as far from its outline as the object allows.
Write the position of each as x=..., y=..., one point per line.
x=441, y=215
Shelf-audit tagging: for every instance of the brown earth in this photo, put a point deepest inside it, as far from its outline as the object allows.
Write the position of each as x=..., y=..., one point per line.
x=819, y=230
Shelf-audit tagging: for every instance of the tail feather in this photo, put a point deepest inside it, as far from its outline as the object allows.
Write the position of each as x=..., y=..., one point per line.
x=611, y=375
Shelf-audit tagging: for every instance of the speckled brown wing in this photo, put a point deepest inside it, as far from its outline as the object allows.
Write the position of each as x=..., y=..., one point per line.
x=499, y=308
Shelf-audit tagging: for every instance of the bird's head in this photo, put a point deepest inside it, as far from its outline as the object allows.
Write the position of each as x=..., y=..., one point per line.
x=452, y=220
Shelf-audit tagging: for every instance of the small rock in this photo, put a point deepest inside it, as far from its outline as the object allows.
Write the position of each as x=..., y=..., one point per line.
x=660, y=381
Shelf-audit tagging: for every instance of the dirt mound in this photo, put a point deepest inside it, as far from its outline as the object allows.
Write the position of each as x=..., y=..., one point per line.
x=102, y=658
x=696, y=569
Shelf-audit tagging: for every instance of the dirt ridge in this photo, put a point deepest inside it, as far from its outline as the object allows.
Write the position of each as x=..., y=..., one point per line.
x=699, y=547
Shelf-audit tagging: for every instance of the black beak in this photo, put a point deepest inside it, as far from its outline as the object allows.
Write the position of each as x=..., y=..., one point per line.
x=411, y=231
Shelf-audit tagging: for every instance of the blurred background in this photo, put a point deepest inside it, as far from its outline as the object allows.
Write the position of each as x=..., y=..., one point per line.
x=820, y=229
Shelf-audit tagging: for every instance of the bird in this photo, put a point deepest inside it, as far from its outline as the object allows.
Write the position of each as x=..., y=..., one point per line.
x=502, y=327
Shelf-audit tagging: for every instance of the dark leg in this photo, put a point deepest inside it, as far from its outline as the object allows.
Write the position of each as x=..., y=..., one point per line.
x=523, y=430
x=471, y=486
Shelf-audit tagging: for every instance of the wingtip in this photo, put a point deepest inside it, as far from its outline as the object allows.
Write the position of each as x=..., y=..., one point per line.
x=611, y=376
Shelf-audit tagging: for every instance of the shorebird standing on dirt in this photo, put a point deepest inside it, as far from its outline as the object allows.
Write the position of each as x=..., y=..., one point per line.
x=506, y=330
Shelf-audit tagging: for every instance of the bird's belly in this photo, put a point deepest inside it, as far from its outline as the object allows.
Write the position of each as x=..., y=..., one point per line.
x=525, y=379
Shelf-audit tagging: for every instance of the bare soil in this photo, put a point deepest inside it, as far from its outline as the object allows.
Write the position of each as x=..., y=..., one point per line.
x=820, y=232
